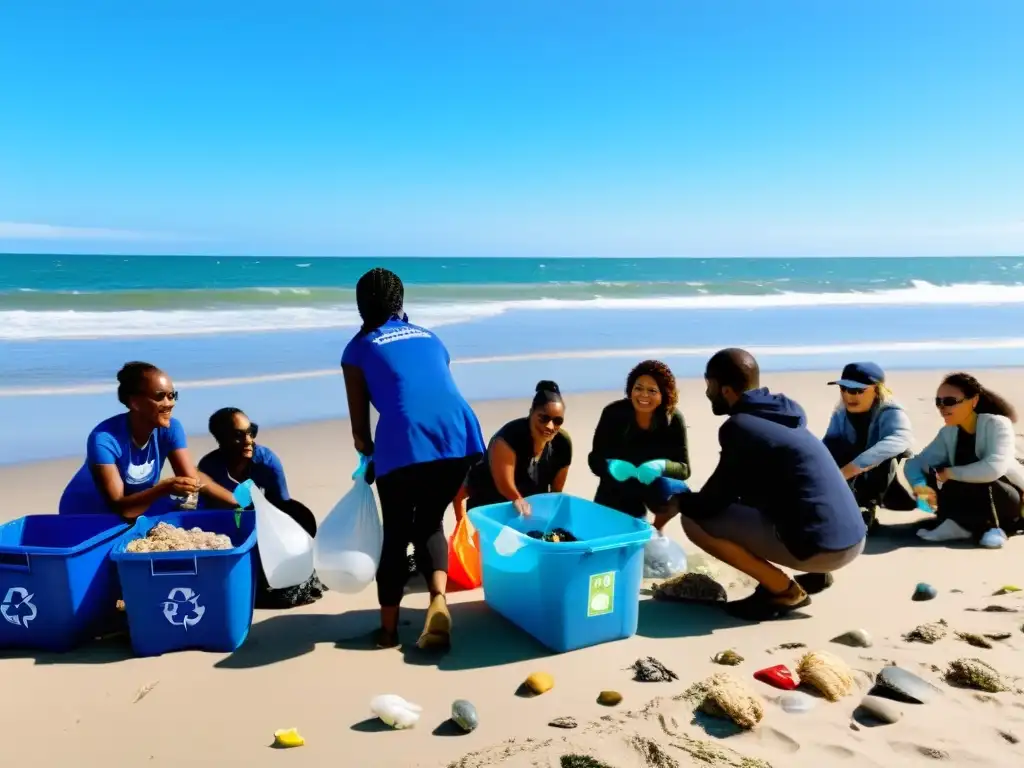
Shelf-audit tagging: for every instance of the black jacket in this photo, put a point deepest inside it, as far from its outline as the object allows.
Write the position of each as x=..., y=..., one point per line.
x=618, y=436
x=772, y=462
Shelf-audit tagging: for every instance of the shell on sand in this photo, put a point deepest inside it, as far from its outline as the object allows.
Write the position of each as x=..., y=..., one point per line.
x=690, y=587
x=721, y=695
x=829, y=674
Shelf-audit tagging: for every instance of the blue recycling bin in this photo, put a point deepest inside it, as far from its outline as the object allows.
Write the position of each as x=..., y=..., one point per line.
x=201, y=600
x=58, y=587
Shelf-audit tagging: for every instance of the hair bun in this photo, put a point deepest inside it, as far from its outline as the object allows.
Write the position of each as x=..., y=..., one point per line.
x=547, y=386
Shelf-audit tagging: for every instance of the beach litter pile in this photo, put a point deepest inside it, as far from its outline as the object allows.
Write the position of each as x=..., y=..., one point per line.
x=555, y=535
x=164, y=537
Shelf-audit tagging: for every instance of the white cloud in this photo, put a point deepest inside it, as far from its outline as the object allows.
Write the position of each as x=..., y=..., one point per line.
x=16, y=230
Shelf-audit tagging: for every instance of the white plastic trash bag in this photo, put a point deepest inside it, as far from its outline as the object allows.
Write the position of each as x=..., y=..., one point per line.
x=663, y=558
x=286, y=550
x=346, y=550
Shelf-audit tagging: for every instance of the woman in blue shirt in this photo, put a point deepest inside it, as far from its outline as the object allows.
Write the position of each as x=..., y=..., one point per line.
x=125, y=454
x=427, y=437
x=238, y=458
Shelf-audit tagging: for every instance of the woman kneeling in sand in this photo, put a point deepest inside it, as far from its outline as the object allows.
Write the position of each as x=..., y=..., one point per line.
x=639, y=450
x=525, y=457
x=867, y=435
x=974, y=480
x=125, y=454
x=238, y=458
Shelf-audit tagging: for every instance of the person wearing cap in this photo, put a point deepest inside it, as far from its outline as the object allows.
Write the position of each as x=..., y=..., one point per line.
x=868, y=434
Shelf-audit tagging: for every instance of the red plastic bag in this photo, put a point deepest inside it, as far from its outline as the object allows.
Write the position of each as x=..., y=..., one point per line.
x=464, y=556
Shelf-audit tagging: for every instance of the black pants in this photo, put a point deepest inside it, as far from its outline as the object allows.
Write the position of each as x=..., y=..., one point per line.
x=878, y=486
x=978, y=507
x=631, y=497
x=413, y=501
x=289, y=596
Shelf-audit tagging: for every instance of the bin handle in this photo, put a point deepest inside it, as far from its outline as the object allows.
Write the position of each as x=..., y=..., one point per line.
x=603, y=548
x=15, y=561
x=175, y=567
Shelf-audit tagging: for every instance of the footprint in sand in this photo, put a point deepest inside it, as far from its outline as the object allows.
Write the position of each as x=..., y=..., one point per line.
x=840, y=752
x=955, y=757
x=770, y=738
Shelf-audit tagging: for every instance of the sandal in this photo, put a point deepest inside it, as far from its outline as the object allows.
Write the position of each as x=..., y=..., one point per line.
x=813, y=583
x=438, y=627
x=764, y=605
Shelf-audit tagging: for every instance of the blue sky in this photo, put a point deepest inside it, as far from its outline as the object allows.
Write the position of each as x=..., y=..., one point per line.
x=677, y=127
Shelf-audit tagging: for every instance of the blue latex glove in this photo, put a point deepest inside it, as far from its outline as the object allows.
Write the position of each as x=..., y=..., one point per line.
x=365, y=470
x=243, y=494
x=621, y=470
x=918, y=481
x=650, y=471
x=667, y=487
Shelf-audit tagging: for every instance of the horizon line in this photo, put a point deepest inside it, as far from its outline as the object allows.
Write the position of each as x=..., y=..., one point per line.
x=21, y=254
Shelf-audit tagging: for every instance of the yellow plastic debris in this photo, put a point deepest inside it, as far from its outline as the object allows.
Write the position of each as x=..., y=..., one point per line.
x=540, y=682
x=288, y=737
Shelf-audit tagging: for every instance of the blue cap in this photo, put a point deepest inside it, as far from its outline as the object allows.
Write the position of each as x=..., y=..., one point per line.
x=860, y=376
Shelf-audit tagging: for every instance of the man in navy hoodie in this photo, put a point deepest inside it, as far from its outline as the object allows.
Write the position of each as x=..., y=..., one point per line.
x=777, y=496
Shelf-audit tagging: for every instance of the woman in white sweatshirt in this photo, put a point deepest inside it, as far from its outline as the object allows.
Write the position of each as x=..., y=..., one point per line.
x=969, y=473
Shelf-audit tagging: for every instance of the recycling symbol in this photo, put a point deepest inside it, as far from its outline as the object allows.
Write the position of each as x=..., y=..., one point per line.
x=18, y=608
x=182, y=608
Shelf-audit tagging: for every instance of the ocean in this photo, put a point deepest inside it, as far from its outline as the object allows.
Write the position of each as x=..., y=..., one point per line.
x=266, y=334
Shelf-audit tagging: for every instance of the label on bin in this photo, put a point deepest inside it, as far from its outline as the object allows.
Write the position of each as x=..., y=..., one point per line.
x=18, y=608
x=182, y=608
x=601, y=597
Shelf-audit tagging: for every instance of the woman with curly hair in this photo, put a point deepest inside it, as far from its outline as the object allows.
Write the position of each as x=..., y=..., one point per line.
x=640, y=443
x=972, y=478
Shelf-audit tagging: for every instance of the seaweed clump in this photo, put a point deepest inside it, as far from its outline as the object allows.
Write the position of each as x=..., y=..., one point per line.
x=974, y=673
x=690, y=587
x=581, y=761
x=723, y=696
x=928, y=633
x=728, y=658
x=972, y=639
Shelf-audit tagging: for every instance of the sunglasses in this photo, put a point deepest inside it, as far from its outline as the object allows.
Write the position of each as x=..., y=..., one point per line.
x=545, y=419
x=159, y=397
x=239, y=435
x=947, y=402
x=852, y=390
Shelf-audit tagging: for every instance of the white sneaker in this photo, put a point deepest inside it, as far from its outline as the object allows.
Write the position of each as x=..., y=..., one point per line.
x=994, y=538
x=948, y=530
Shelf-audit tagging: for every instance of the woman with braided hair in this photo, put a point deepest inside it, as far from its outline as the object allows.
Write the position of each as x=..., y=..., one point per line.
x=427, y=437
x=972, y=478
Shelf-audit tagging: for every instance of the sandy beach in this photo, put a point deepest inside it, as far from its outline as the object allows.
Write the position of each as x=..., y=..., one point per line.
x=311, y=668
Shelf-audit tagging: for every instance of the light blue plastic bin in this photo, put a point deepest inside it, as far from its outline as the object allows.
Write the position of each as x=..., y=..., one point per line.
x=567, y=595
x=57, y=584
x=189, y=600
